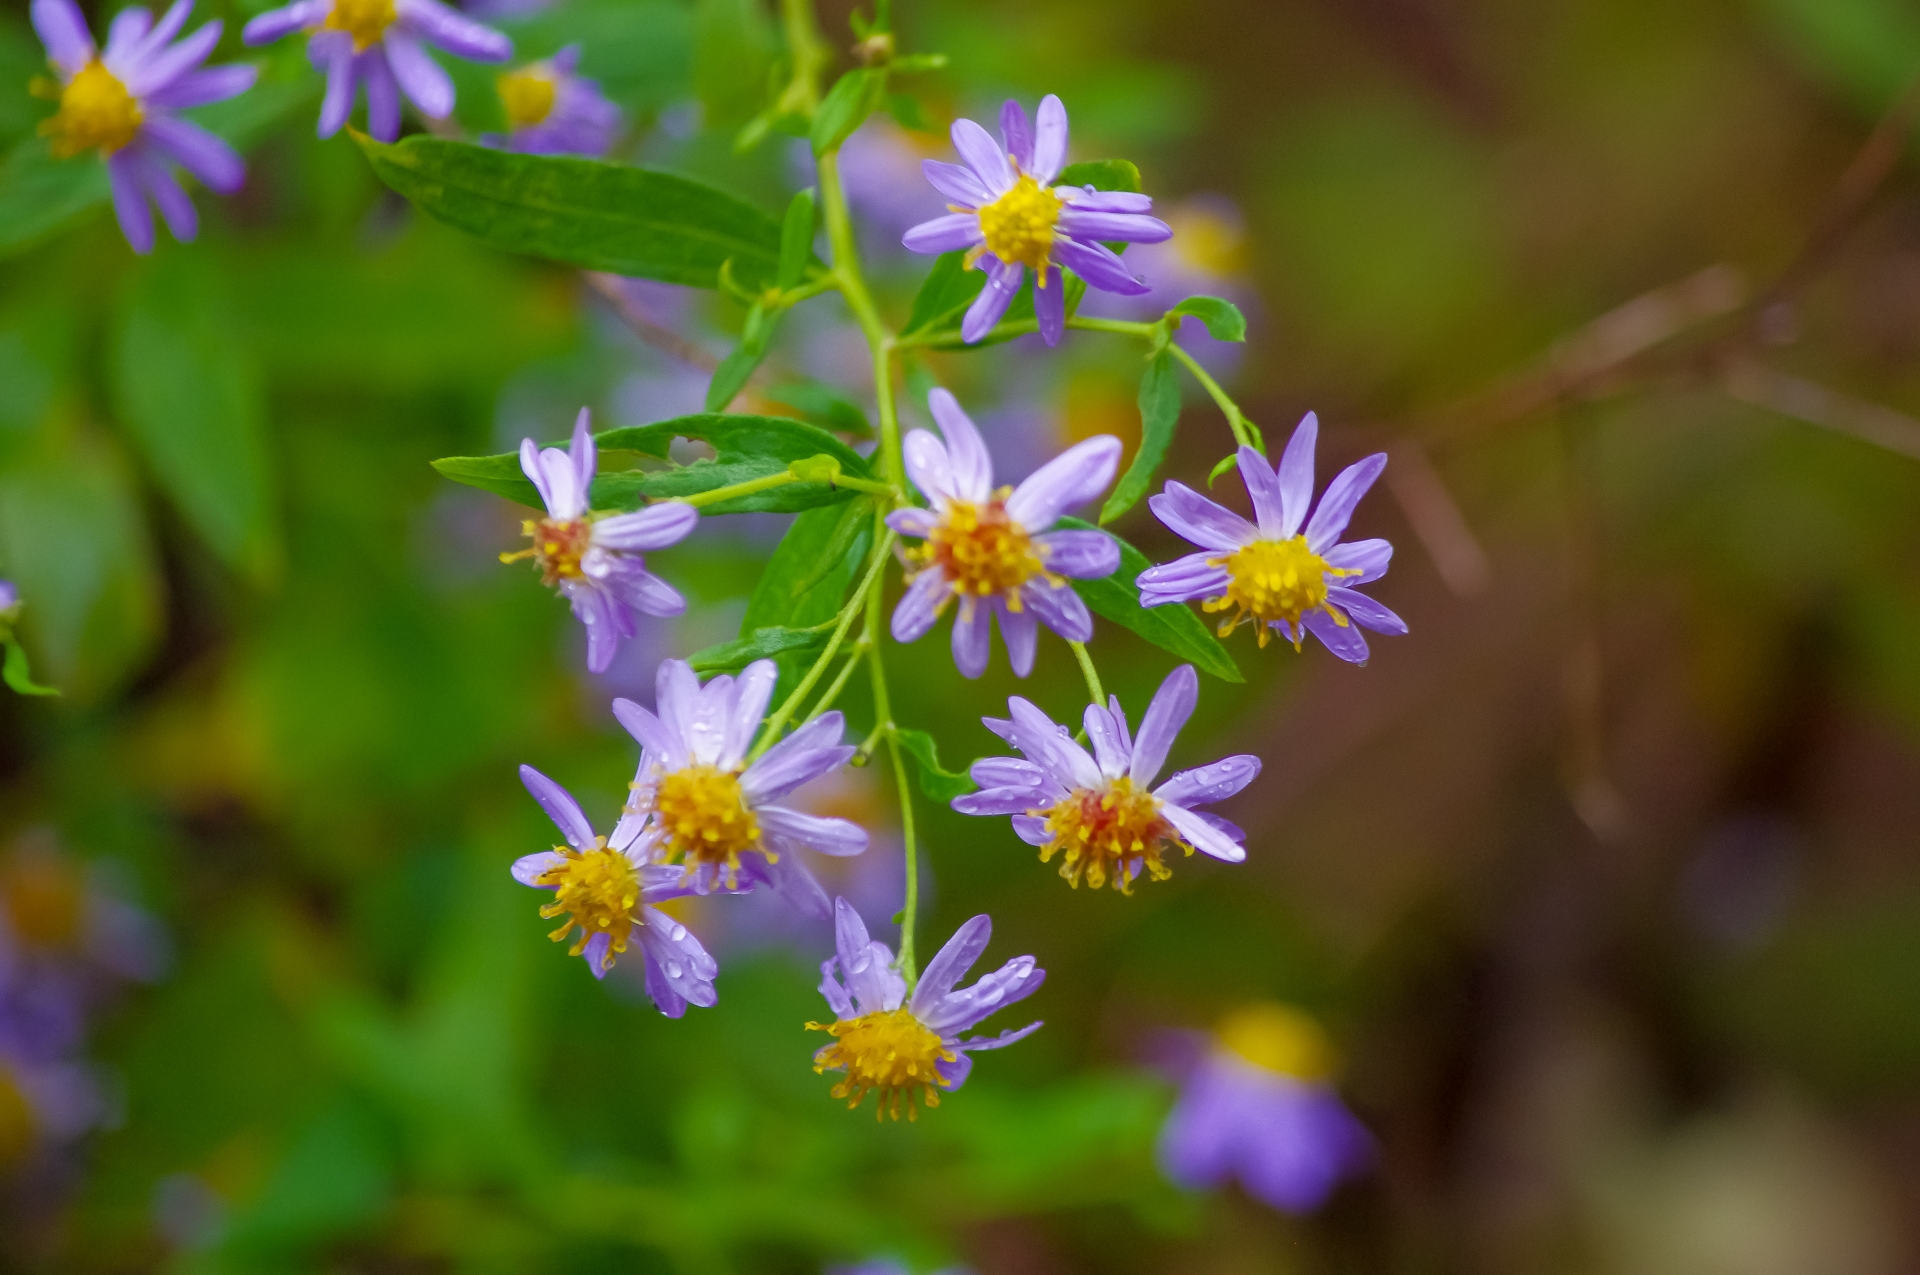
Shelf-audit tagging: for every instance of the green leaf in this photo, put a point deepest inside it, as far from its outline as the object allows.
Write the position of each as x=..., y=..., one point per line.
x=1173, y=627
x=937, y=782
x=823, y=405
x=582, y=212
x=1223, y=318
x=1222, y=466
x=796, y=241
x=853, y=97
x=806, y=581
x=738, y=367
x=16, y=673
x=745, y=448
x=1159, y=413
x=1102, y=174
x=731, y=657
x=907, y=111
x=191, y=400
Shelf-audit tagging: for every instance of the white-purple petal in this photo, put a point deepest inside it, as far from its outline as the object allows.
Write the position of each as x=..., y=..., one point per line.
x=929, y=467
x=167, y=66
x=1098, y=265
x=951, y=233
x=969, y=465
x=1059, y=608
x=1049, y=140
x=1050, y=305
x=1072, y=478
x=1344, y=640
x=1295, y=475
x=1082, y=555
x=951, y=963
x=560, y=807
x=1366, y=612
x=1210, y=783
x=1091, y=225
x=1020, y=630
x=1108, y=747
x=983, y=155
x=1193, y=517
x=1047, y=743
x=919, y=607
x=1183, y=580
x=654, y=527
x=1016, y=134
x=160, y=185
x=957, y=183
x=333, y=50
x=808, y=753
x=1263, y=489
x=275, y=23
x=999, y=802
x=458, y=35
x=913, y=521
x=972, y=638
x=821, y=834
x=198, y=151
x=1031, y=829
x=1368, y=557
x=1338, y=501
x=421, y=78
x=750, y=696
x=63, y=30
x=1003, y=282
x=209, y=84
x=1172, y=705
x=652, y=734
x=529, y=868
x=1202, y=835
x=129, y=200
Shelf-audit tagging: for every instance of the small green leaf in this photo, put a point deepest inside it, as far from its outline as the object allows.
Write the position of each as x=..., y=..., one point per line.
x=796, y=241
x=935, y=781
x=1102, y=174
x=806, y=580
x=1223, y=318
x=18, y=675
x=761, y=644
x=738, y=367
x=823, y=405
x=1172, y=627
x=1159, y=413
x=1225, y=463
x=582, y=212
x=745, y=448
x=853, y=97
x=907, y=111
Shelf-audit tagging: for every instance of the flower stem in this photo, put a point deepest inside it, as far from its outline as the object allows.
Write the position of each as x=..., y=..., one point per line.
x=1098, y=695
x=777, y=723
x=883, y=715
x=839, y=683
x=1244, y=431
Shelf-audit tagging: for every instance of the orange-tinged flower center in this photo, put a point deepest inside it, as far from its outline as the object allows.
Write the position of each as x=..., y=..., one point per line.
x=365, y=20
x=95, y=110
x=599, y=889
x=1273, y=580
x=558, y=546
x=527, y=95
x=46, y=900
x=1279, y=1039
x=983, y=552
x=706, y=817
x=1019, y=225
x=890, y=1052
x=1115, y=830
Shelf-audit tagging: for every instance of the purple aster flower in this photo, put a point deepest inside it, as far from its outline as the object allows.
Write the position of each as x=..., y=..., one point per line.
x=1006, y=206
x=595, y=561
x=1271, y=571
x=606, y=888
x=984, y=544
x=381, y=44
x=909, y=1048
x=553, y=111
x=1257, y=1106
x=1098, y=810
x=709, y=810
x=123, y=100
x=9, y=598
x=43, y=1105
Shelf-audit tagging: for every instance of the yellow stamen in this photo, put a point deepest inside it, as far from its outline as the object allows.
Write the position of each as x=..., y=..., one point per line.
x=705, y=816
x=558, y=546
x=599, y=889
x=983, y=552
x=1280, y=1039
x=1115, y=830
x=95, y=110
x=365, y=20
x=888, y=1051
x=527, y=94
x=1019, y=225
x=1275, y=580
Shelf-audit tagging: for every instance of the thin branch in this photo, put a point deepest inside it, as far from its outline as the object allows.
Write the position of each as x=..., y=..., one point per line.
x=660, y=337
x=1760, y=386
x=1436, y=518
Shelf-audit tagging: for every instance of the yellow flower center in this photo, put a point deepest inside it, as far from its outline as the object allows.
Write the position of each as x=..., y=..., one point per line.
x=983, y=552
x=1280, y=1039
x=558, y=546
x=599, y=889
x=1273, y=580
x=888, y=1051
x=1115, y=830
x=16, y=1121
x=365, y=20
x=1019, y=225
x=706, y=818
x=45, y=899
x=95, y=110
x=527, y=95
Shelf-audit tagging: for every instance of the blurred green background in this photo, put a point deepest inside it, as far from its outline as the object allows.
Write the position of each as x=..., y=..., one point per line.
x=1605, y=877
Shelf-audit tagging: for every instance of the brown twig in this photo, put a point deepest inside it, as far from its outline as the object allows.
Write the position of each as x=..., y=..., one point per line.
x=660, y=337
x=1756, y=384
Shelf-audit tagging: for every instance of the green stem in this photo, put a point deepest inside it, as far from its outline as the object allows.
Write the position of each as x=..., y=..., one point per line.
x=883, y=715
x=809, y=53
x=839, y=683
x=853, y=286
x=1121, y=327
x=1243, y=431
x=1087, y=669
x=718, y=494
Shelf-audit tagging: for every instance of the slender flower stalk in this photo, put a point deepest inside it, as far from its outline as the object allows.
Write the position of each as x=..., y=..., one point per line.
x=381, y=44
x=594, y=560
x=606, y=888
x=1284, y=571
x=123, y=100
x=906, y=1048
x=553, y=110
x=1099, y=812
x=1005, y=206
x=991, y=548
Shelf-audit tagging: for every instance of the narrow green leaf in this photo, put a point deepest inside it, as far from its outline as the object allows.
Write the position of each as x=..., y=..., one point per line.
x=582, y=212
x=745, y=448
x=1102, y=174
x=936, y=781
x=18, y=675
x=1222, y=466
x=1223, y=318
x=1173, y=627
x=796, y=240
x=806, y=580
x=853, y=97
x=907, y=111
x=949, y=289
x=761, y=644
x=738, y=367
x=1159, y=413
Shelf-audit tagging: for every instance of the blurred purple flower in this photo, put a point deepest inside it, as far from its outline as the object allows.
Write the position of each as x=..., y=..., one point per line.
x=1006, y=206
x=880, y=169
x=381, y=44
x=1098, y=810
x=123, y=100
x=595, y=562
x=1257, y=1107
x=1205, y=257
x=605, y=887
x=985, y=544
x=44, y=1104
x=1275, y=573
x=551, y=110
x=708, y=809
x=9, y=598
x=905, y=1049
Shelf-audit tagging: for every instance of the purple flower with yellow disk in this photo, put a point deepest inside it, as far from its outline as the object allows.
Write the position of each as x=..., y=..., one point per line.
x=594, y=561
x=1005, y=206
x=123, y=100
x=1100, y=812
x=553, y=110
x=991, y=548
x=1275, y=571
x=710, y=813
x=381, y=44
x=907, y=1048
x=605, y=887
